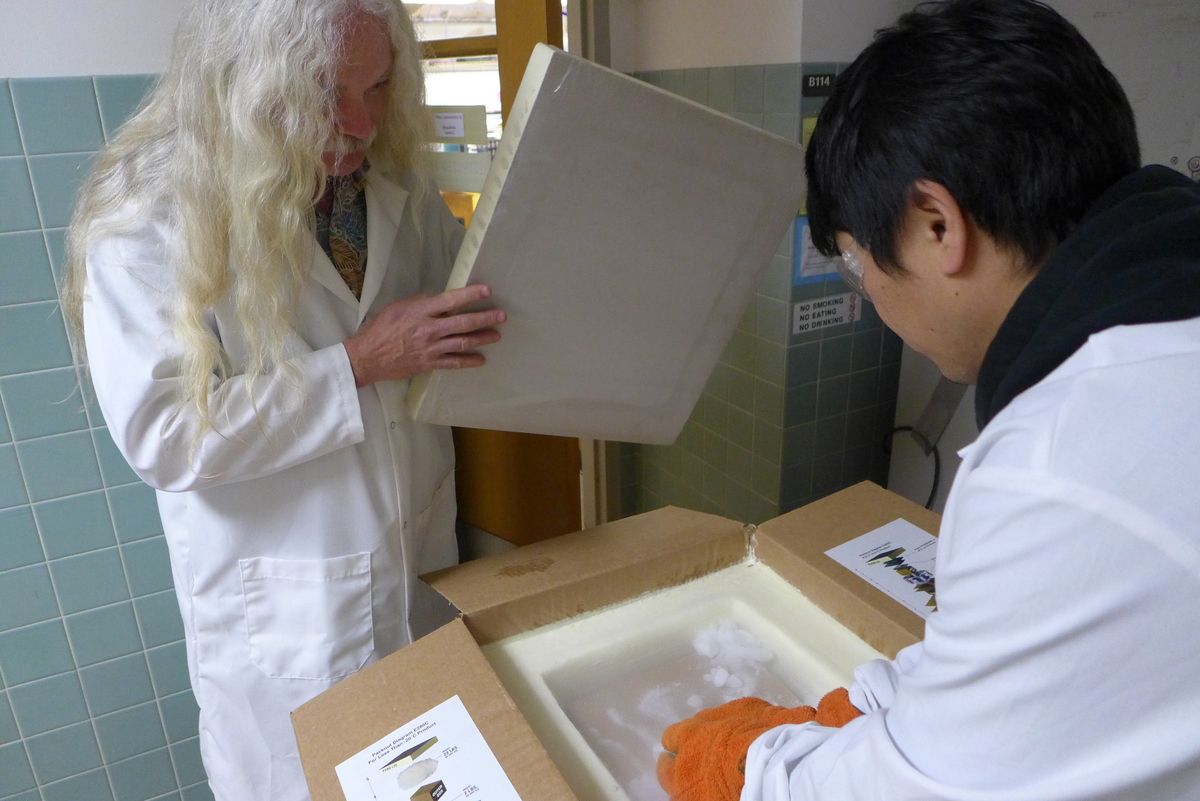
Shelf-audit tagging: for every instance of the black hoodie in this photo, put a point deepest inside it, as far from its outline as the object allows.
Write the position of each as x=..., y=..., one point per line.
x=1135, y=258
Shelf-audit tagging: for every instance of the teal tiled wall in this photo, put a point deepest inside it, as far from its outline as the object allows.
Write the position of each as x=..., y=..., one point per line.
x=95, y=703
x=785, y=419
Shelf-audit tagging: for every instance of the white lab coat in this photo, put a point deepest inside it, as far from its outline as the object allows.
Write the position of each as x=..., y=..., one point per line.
x=297, y=539
x=1064, y=659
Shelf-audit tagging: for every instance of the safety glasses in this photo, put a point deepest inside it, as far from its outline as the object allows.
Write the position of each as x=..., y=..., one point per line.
x=851, y=270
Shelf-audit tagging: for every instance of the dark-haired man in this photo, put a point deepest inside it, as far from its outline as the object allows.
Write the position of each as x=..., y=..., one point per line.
x=977, y=168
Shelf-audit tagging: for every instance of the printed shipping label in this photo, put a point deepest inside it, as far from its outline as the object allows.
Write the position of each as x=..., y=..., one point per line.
x=440, y=756
x=898, y=559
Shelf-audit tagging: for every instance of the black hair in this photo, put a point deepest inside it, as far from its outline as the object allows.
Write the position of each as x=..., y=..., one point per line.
x=1003, y=102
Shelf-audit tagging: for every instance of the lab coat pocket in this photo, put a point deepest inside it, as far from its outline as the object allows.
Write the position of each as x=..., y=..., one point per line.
x=308, y=618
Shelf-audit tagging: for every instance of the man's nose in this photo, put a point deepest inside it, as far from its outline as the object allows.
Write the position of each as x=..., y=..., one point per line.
x=354, y=119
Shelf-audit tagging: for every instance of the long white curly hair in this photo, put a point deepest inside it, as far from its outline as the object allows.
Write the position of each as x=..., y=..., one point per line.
x=229, y=142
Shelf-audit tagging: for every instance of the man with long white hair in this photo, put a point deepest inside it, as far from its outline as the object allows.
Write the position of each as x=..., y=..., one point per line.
x=255, y=267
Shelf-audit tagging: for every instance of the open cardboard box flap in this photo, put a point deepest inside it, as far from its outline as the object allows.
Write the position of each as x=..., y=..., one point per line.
x=520, y=590
x=545, y=582
x=794, y=546
x=352, y=715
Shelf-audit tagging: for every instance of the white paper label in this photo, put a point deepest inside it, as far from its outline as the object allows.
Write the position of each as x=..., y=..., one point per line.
x=897, y=558
x=811, y=315
x=812, y=263
x=450, y=125
x=440, y=756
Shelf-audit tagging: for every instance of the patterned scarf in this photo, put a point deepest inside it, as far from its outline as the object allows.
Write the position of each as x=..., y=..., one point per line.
x=342, y=226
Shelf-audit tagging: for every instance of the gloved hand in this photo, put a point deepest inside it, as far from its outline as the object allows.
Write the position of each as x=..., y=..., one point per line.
x=705, y=758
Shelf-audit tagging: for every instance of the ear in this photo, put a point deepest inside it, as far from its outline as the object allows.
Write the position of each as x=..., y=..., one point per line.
x=936, y=226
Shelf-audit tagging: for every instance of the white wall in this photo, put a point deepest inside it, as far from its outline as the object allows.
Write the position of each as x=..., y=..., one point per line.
x=1153, y=47
x=837, y=30
x=681, y=34
x=51, y=38
x=912, y=472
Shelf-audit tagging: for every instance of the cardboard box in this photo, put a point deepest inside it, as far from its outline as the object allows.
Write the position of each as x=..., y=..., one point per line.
x=430, y=792
x=547, y=582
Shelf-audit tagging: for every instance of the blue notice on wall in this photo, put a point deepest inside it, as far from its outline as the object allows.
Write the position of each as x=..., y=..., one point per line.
x=809, y=266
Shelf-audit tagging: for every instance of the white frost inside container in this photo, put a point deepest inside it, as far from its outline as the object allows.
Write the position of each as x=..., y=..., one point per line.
x=600, y=688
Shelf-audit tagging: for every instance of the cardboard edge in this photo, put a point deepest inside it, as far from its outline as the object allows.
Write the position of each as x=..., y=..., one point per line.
x=422, y=399
x=794, y=545
x=533, y=586
x=598, y=592
x=352, y=715
x=862, y=618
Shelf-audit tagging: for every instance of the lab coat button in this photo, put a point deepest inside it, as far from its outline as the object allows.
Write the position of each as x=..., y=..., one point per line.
x=393, y=424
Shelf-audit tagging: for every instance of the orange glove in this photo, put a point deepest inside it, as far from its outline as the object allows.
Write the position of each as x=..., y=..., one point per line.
x=835, y=709
x=705, y=758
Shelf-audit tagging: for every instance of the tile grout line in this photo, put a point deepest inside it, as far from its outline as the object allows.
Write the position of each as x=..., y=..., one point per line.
x=50, y=260
x=58, y=602
x=21, y=737
x=25, y=158
x=17, y=121
x=32, y=504
x=22, y=470
x=37, y=206
x=99, y=113
x=23, y=230
x=162, y=721
x=46, y=155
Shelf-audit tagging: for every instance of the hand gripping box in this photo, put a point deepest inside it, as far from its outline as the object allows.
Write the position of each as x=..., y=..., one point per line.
x=560, y=639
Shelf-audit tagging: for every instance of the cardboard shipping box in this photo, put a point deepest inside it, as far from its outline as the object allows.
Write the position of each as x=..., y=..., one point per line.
x=541, y=584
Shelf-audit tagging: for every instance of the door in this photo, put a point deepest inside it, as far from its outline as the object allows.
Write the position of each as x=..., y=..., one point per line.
x=520, y=487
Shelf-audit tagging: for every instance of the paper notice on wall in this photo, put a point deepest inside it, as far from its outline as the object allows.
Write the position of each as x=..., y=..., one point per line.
x=450, y=125
x=815, y=314
x=440, y=756
x=809, y=265
x=898, y=559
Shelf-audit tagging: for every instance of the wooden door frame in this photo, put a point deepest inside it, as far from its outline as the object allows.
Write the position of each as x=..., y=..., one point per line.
x=520, y=24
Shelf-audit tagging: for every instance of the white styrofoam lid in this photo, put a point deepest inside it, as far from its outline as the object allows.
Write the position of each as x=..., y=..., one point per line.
x=623, y=229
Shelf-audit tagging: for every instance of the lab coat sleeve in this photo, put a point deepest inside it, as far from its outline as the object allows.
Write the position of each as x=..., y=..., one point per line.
x=301, y=410
x=1025, y=686
x=782, y=748
x=876, y=681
